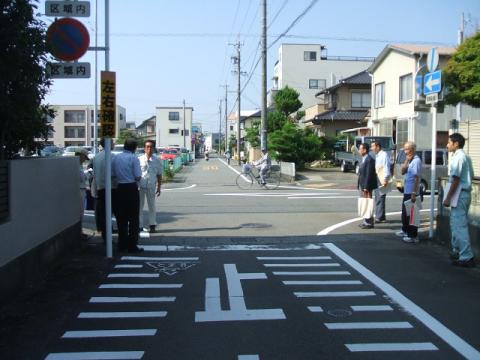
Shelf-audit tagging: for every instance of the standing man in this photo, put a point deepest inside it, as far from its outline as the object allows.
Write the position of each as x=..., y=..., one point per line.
x=263, y=165
x=367, y=181
x=382, y=168
x=411, y=168
x=126, y=168
x=152, y=171
x=99, y=185
x=461, y=174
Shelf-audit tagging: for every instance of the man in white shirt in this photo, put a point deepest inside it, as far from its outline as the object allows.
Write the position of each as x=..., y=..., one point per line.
x=263, y=165
x=150, y=184
x=382, y=168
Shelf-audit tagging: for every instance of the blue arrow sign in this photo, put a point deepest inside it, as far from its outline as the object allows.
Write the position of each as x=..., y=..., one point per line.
x=432, y=82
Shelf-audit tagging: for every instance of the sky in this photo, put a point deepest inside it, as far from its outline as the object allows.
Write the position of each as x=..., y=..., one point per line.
x=164, y=52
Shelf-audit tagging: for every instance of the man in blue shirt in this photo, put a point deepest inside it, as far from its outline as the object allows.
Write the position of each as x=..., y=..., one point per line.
x=461, y=174
x=126, y=169
x=411, y=168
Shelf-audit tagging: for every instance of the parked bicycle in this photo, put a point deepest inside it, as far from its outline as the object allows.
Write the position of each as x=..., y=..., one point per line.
x=251, y=176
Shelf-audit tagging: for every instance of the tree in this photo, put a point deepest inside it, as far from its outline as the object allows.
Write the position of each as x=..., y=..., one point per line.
x=462, y=74
x=292, y=144
x=129, y=134
x=253, y=134
x=23, y=79
x=286, y=101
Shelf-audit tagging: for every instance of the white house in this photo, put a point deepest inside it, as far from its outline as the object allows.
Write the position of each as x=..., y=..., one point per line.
x=73, y=125
x=307, y=69
x=174, y=127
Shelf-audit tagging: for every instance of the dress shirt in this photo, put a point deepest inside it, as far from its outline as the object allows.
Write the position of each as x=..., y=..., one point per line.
x=414, y=170
x=461, y=167
x=126, y=168
x=99, y=170
x=382, y=160
x=151, y=168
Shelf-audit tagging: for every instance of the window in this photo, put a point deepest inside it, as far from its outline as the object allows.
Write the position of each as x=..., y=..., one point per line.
x=317, y=83
x=187, y=132
x=231, y=127
x=361, y=99
x=74, y=132
x=380, y=95
x=173, y=115
x=406, y=88
x=310, y=56
x=402, y=132
x=173, y=131
x=74, y=116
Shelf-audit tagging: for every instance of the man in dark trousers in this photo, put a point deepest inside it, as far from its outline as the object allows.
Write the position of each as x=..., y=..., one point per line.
x=367, y=181
x=126, y=169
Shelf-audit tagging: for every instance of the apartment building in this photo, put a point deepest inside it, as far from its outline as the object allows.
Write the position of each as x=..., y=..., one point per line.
x=308, y=69
x=73, y=125
x=174, y=127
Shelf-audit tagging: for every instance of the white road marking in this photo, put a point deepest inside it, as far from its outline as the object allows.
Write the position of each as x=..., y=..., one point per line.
x=145, y=258
x=128, y=266
x=248, y=357
x=391, y=347
x=371, y=308
x=124, y=299
x=313, y=273
x=182, y=188
x=238, y=309
x=120, y=315
x=140, y=286
x=176, y=248
x=429, y=321
x=369, y=325
x=325, y=282
x=154, y=247
x=302, y=265
x=294, y=257
x=329, y=229
x=315, y=308
x=333, y=294
x=108, y=333
x=149, y=275
x=104, y=355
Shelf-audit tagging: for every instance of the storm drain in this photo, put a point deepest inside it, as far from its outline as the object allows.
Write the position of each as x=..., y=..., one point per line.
x=255, y=225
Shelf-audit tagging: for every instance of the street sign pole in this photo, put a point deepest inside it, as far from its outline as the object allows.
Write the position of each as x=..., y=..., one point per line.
x=108, y=148
x=433, y=170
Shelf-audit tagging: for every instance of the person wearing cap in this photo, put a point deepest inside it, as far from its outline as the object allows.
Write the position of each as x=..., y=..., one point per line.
x=263, y=165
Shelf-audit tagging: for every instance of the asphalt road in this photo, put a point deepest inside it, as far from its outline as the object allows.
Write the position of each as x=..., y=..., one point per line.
x=236, y=274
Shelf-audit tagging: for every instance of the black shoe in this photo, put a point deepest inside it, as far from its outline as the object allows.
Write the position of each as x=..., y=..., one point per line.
x=152, y=229
x=379, y=221
x=122, y=249
x=366, y=226
x=464, y=263
x=135, y=250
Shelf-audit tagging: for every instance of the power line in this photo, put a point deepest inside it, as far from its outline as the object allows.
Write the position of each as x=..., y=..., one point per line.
x=278, y=13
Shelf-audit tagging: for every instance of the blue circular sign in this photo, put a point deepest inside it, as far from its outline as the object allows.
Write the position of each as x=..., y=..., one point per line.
x=67, y=39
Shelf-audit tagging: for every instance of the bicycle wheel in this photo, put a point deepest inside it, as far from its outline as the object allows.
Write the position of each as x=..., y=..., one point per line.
x=272, y=180
x=245, y=181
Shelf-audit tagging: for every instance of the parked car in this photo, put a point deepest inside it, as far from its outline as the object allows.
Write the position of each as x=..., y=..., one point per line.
x=117, y=149
x=170, y=154
x=441, y=168
x=350, y=158
x=51, y=150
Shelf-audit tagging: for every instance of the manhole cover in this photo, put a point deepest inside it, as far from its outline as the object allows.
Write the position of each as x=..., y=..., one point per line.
x=255, y=225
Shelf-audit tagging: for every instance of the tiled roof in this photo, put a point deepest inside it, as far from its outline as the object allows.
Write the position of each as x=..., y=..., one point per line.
x=340, y=115
x=361, y=78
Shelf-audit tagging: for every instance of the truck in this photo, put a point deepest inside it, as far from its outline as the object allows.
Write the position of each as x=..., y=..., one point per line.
x=350, y=159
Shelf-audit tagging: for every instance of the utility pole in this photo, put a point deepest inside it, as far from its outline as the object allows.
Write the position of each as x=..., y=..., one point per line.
x=236, y=60
x=264, y=122
x=220, y=126
x=184, y=143
x=226, y=116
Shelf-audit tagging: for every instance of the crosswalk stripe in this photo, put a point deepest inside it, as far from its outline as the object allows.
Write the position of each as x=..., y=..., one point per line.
x=369, y=325
x=289, y=273
x=108, y=333
x=334, y=294
x=121, y=299
x=119, y=315
x=294, y=257
x=133, y=275
x=371, y=308
x=302, y=265
x=150, y=258
x=315, y=308
x=324, y=282
x=104, y=355
x=426, y=346
x=140, y=286
x=128, y=266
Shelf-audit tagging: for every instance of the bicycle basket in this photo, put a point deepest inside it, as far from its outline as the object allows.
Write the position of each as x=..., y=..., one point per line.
x=247, y=168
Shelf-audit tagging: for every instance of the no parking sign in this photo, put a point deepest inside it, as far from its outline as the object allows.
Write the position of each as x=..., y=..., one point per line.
x=67, y=39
